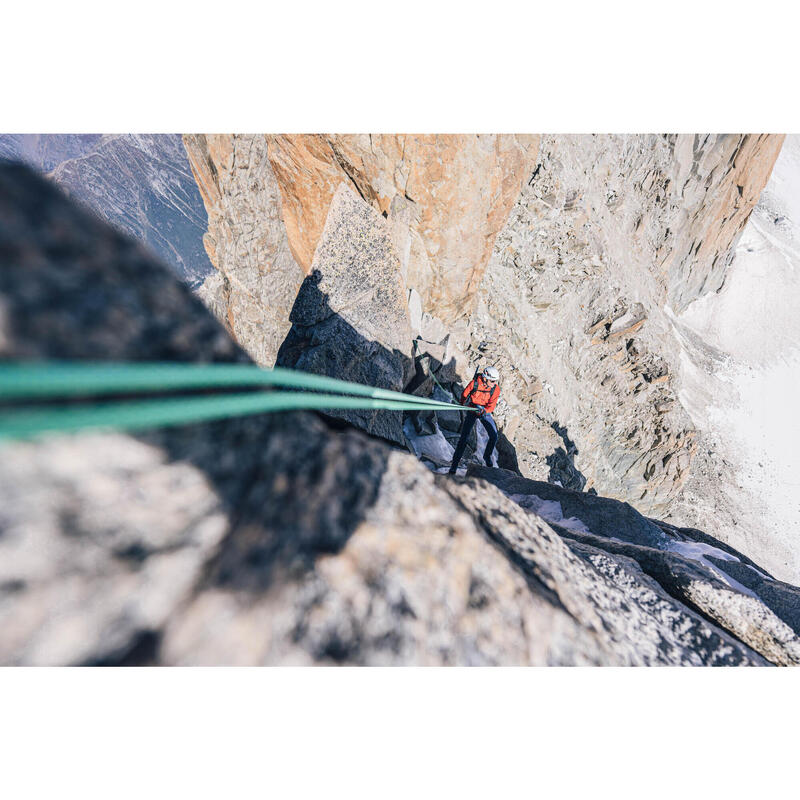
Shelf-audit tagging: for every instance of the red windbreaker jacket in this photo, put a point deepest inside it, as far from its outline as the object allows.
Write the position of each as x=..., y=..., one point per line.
x=482, y=394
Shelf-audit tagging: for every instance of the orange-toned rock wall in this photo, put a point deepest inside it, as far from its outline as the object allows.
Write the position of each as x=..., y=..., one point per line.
x=446, y=197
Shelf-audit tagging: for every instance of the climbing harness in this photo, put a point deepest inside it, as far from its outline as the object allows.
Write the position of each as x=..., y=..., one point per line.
x=59, y=381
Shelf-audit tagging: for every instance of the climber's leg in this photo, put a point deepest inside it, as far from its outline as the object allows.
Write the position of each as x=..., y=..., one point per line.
x=491, y=429
x=466, y=427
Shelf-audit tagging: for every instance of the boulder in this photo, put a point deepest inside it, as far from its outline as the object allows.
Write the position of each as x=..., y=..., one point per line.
x=432, y=329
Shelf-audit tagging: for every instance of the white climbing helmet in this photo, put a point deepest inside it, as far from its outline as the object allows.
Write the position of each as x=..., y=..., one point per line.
x=491, y=374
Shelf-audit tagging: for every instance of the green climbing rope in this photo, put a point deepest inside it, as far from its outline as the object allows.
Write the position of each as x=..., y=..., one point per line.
x=37, y=381
x=68, y=379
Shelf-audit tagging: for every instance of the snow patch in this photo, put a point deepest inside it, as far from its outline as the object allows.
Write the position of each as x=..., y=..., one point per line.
x=434, y=446
x=697, y=551
x=749, y=399
x=549, y=510
x=461, y=471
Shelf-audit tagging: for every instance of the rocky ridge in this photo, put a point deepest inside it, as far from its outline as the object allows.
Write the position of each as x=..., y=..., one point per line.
x=46, y=151
x=256, y=279
x=280, y=539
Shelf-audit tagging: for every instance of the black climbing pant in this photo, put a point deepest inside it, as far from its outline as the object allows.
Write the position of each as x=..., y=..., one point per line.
x=466, y=427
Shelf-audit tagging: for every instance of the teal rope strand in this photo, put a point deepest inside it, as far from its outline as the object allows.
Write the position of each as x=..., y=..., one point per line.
x=64, y=379
x=53, y=380
x=178, y=411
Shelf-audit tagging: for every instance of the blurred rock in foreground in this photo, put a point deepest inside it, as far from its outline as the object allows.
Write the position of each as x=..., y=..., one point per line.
x=278, y=540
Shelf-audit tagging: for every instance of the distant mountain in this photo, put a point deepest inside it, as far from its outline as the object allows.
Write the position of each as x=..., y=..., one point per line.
x=140, y=183
x=46, y=151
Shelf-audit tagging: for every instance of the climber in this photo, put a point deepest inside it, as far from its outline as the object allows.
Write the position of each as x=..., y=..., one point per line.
x=482, y=392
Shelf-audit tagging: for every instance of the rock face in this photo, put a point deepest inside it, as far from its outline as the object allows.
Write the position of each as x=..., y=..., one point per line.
x=279, y=540
x=350, y=319
x=446, y=197
x=254, y=287
x=608, y=231
x=740, y=359
x=140, y=183
x=608, y=246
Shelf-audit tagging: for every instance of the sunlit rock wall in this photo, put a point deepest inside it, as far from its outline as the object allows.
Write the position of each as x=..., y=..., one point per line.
x=609, y=232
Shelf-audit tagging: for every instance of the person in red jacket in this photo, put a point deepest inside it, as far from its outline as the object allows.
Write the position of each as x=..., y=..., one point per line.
x=482, y=392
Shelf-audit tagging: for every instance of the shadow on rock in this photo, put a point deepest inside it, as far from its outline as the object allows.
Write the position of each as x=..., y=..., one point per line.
x=284, y=488
x=321, y=341
x=562, y=463
x=290, y=490
x=602, y=515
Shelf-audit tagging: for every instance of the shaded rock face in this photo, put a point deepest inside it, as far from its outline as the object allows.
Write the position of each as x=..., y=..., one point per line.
x=278, y=540
x=140, y=183
x=608, y=231
x=256, y=278
x=350, y=319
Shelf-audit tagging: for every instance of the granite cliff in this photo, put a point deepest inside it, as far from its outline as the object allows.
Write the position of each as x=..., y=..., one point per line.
x=444, y=198
x=563, y=260
x=610, y=237
x=300, y=539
